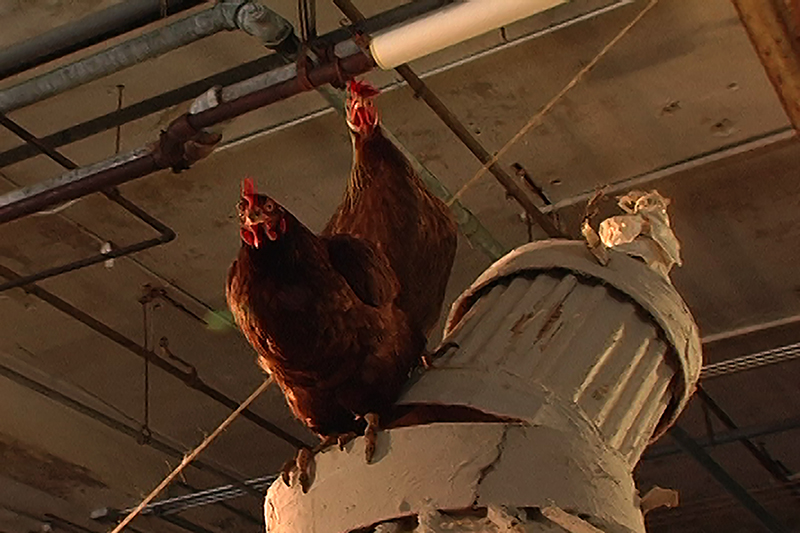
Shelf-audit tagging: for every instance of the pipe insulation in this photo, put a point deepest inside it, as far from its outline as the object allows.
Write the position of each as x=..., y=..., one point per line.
x=448, y=26
x=226, y=15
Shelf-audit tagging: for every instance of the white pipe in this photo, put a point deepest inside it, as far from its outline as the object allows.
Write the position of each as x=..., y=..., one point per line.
x=448, y=26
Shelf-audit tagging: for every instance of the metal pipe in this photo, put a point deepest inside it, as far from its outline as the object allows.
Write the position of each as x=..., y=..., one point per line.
x=166, y=234
x=178, y=504
x=755, y=142
x=760, y=455
x=735, y=435
x=237, y=99
x=781, y=354
x=464, y=135
x=142, y=109
x=448, y=26
x=112, y=423
x=92, y=29
x=246, y=70
x=226, y=15
x=244, y=515
x=726, y=480
x=192, y=380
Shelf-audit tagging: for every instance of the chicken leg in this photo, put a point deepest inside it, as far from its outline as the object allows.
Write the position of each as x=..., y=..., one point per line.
x=370, y=435
x=302, y=462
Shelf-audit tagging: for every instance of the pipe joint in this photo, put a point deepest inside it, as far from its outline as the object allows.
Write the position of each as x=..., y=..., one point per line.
x=181, y=145
x=262, y=23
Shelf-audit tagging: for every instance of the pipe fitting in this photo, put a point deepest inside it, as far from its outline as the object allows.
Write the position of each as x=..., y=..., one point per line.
x=262, y=23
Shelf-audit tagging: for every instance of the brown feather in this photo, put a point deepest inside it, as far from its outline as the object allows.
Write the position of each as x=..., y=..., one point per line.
x=387, y=204
x=334, y=355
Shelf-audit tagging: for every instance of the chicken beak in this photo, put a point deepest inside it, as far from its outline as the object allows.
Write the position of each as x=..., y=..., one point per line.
x=362, y=116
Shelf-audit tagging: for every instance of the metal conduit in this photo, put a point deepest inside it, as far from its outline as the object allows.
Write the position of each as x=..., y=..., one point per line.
x=751, y=361
x=92, y=29
x=237, y=99
x=226, y=15
x=187, y=92
x=200, y=498
x=726, y=480
x=166, y=234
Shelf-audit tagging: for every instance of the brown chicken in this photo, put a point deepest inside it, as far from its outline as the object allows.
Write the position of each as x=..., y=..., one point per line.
x=387, y=204
x=321, y=313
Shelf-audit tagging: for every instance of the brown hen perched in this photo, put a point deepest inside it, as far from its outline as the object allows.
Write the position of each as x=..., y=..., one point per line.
x=387, y=204
x=321, y=313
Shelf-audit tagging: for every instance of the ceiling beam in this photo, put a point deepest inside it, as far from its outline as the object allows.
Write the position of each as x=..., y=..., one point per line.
x=777, y=48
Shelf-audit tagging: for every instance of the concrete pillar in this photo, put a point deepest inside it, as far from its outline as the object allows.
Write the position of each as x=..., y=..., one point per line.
x=580, y=366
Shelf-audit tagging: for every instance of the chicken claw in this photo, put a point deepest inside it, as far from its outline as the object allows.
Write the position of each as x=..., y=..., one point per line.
x=370, y=435
x=301, y=462
x=344, y=438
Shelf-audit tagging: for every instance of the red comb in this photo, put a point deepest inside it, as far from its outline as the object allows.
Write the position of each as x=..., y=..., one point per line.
x=249, y=190
x=362, y=88
x=248, y=187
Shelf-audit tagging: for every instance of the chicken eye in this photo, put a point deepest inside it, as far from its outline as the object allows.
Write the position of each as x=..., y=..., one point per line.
x=269, y=207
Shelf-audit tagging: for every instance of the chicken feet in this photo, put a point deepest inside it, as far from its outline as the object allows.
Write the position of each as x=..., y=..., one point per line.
x=302, y=462
x=370, y=435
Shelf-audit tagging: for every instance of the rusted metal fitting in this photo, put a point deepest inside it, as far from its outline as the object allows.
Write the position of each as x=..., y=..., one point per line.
x=181, y=144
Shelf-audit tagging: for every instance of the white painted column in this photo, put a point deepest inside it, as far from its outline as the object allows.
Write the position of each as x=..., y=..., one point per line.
x=586, y=364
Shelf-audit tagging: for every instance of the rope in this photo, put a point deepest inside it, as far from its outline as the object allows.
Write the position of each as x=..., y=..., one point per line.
x=537, y=118
x=192, y=456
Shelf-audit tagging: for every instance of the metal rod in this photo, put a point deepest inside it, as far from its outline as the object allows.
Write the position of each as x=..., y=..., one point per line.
x=226, y=15
x=195, y=89
x=763, y=458
x=166, y=234
x=199, y=498
x=118, y=426
x=752, y=432
x=268, y=88
x=726, y=480
x=464, y=135
x=770, y=139
x=188, y=378
x=235, y=510
x=773, y=356
x=90, y=30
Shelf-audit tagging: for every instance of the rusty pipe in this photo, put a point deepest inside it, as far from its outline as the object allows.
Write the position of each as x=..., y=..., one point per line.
x=170, y=150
